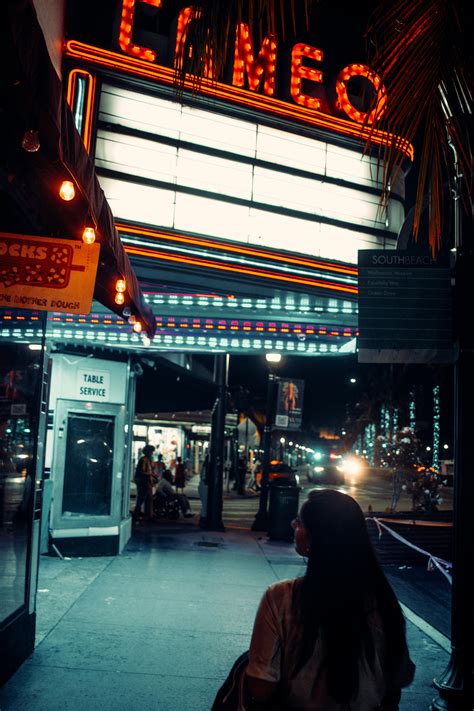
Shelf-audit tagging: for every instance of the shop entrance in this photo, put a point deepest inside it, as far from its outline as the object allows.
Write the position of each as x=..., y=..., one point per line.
x=88, y=494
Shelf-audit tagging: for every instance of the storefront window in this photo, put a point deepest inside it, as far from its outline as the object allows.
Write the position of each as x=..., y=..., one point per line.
x=20, y=377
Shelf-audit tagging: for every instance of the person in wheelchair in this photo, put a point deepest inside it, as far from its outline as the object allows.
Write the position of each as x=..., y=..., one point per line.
x=165, y=506
x=166, y=490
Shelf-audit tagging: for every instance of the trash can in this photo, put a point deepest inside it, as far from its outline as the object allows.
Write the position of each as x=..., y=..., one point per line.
x=283, y=508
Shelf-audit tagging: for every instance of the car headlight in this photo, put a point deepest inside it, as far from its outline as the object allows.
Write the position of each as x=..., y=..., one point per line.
x=352, y=467
x=318, y=470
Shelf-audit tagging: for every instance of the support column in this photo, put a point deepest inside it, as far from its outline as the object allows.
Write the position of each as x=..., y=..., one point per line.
x=456, y=685
x=261, y=519
x=216, y=460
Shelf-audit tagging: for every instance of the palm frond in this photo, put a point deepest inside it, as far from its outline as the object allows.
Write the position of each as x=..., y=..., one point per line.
x=210, y=31
x=424, y=57
x=419, y=49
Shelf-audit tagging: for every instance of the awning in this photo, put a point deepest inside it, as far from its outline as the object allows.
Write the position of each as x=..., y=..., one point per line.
x=32, y=97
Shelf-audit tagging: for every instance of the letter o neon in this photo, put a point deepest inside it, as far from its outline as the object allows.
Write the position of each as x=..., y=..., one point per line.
x=359, y=70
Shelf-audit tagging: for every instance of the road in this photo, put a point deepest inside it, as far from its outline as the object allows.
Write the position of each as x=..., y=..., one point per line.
x=372, y=492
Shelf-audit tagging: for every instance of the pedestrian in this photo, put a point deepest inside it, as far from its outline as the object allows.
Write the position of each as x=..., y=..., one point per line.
x=159, y=467
x=180, y=476
x=203, y=489
x=256, y=469
x=165, y=488
x=144, y=479
x=335, y=638
x=241, y=475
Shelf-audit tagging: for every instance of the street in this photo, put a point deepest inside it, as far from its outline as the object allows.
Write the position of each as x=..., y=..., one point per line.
x=372, y=492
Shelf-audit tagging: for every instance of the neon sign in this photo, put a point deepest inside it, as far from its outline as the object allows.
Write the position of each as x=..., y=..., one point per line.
x=257, y=66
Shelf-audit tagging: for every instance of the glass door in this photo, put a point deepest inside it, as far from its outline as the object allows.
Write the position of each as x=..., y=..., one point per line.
x=88, y=468
x=88, y=464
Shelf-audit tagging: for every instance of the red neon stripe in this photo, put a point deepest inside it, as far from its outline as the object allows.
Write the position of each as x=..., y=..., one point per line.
x=154, y=254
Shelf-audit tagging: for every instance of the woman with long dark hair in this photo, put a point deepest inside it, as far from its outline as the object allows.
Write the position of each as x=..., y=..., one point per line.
x=334, y=639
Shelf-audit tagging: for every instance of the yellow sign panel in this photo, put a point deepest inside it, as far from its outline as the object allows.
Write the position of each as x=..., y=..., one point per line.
x=47, y=274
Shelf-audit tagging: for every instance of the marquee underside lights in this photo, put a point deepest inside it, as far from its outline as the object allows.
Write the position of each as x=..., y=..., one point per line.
x=238, y=335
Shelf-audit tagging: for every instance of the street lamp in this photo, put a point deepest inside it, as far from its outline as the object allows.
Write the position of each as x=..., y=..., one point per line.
x=261, y=518
x=282, y=445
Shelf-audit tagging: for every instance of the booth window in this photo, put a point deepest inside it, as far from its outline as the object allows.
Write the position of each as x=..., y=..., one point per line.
x=88, y=465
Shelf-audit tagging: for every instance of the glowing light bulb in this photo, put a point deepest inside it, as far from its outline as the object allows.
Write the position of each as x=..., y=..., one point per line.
x=119, y=297
x=137, y=327
x=120, y=285
x=88, y=236
x=67, y=191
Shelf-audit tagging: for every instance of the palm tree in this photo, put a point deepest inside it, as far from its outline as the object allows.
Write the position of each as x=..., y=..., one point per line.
x=422, y=51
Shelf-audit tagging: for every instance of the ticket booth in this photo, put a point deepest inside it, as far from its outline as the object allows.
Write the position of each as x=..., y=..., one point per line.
x=91, y=404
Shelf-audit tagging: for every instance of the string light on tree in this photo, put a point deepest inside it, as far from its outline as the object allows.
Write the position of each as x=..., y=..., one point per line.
x=369, y=442
x=394, y=423
x=436, y=427
x=412, y=410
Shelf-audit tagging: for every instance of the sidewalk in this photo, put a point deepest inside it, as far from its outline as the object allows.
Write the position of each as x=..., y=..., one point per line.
x=158, y=627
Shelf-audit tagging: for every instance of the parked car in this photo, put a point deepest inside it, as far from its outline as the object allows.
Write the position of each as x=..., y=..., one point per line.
x=326, y=468
x=282, y=473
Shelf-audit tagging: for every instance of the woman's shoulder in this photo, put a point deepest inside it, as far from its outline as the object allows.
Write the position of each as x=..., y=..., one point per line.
x=282, y=590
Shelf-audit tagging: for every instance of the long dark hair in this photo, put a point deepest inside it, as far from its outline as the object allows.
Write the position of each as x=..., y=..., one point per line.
x=342, y=586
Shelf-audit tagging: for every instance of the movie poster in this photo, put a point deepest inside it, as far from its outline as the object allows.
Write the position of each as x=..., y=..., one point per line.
x=289, y=405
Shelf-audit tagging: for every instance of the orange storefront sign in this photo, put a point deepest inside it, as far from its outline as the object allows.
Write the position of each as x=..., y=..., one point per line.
x=47, y=274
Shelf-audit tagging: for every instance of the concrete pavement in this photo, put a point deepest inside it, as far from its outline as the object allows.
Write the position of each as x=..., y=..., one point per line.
x=159, y=626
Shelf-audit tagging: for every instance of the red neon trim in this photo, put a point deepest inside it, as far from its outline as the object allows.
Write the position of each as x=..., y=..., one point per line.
x=89, y=106
x=238, y=269
x=249, y=251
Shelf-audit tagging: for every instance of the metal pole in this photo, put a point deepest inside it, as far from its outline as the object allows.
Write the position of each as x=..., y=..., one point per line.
x=456, y=685
x=216, y=463
x=261, y=518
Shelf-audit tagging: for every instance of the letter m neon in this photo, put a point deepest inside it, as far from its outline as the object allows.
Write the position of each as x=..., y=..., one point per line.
x=244, y=61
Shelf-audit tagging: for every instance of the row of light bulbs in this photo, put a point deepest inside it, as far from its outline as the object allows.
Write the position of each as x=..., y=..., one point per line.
x=67, y=192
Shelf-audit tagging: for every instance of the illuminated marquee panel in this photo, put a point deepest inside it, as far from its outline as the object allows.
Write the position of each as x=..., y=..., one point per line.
x=186, y=333
x=166, y=164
